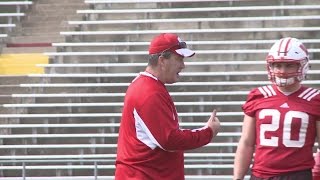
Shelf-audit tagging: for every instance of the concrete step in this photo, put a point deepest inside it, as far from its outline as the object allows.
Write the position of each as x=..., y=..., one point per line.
x=28, y=49
x=55, y=33
x=53, y=11
x=55, y=37
x=17, y=79
x=4, y=99
x=52, y=17
x=57, y=21
x=59, y=6
x=12, y=89
x=52, y=29
x=84, y=99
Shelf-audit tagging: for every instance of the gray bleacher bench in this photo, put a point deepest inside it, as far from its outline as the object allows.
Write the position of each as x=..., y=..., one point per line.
x=60, y=156
x=63, y=178
x=45, y=125
x=183, y=74
x=193, y=20
x=65, y=45
x=194, y=10
x=7, y=27
x=143, y=1
x=190, y=157
x=133, y=53
x=18, y=4
x=103, y=125
x=217, y=83
x=118, y=104
x=53, y=95
x=89, y=146
x=184, y=84
x=56, y=136
x=3, y=35
x=79, y=115
x=58, y=146
x=132, y=75
x=16, y=15
x=187, y=63
x=194, y=163
x=10, y=16
x=188, y=177
x=90, y=135
x=225, y=42
x=97, y=167
x=101, y=167
x=192, y=31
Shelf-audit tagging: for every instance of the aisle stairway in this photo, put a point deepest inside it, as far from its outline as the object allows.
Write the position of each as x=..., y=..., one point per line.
x=42, y=25
x=32, y=36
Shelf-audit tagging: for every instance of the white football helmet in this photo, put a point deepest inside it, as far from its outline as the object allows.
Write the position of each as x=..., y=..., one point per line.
x=289, y=50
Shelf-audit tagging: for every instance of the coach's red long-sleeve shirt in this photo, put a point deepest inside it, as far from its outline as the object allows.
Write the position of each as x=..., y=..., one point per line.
x=151, y=144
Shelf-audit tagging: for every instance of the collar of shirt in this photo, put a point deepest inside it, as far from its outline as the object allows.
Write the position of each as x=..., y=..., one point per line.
x=145, y=73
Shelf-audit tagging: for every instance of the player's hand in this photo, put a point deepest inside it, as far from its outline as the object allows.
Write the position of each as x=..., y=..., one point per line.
x=214, y=123
x=316, y=167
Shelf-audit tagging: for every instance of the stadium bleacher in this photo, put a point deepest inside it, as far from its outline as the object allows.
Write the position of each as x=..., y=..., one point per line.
x=11, y=13
x=63, y=123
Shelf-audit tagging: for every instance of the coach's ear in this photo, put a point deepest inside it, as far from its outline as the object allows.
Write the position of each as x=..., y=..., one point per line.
x=162, y=61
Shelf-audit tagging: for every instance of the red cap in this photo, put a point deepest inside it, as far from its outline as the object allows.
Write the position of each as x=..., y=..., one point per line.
x=171, y=42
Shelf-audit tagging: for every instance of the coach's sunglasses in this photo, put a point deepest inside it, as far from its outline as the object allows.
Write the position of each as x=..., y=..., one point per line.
x=180, y=45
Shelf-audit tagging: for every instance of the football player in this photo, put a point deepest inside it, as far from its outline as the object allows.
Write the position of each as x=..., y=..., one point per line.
x=281, y=120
